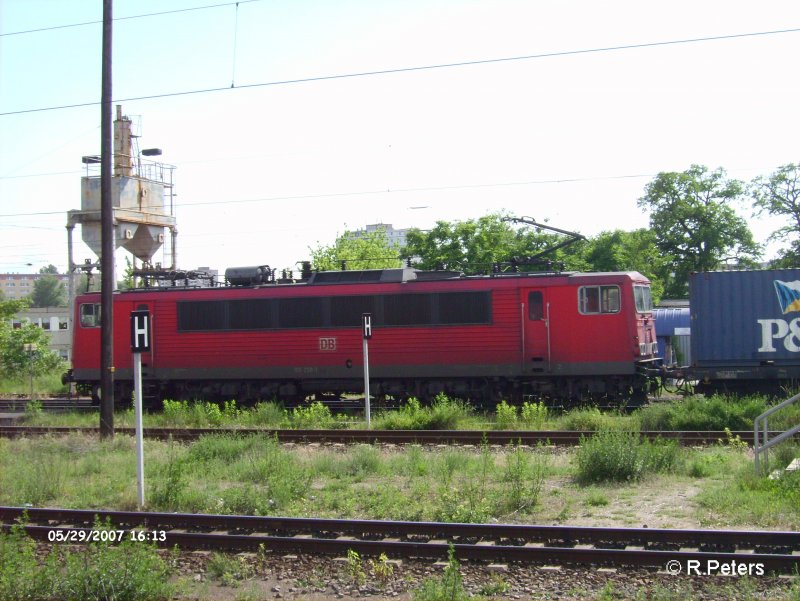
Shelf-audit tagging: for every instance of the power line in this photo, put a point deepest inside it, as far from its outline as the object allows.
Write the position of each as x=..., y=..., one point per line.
x=166, y=12
x=375, y=192
x=421, y=68
x=563, y=180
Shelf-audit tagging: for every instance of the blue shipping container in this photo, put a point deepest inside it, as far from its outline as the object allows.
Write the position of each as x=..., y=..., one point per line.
x=745, y=318
x=673, y=331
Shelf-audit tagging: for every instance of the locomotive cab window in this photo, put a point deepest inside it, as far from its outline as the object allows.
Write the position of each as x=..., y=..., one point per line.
x=90, y=315
x=593, y=300
x=644, y=300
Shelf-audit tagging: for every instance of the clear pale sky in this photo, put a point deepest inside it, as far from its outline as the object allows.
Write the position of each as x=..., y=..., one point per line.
x=594, y=105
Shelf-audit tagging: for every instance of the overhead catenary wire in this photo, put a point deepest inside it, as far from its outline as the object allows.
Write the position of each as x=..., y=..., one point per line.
x=179, y=205
x=235, y=43
x=99, y=21
x=561, y=180
x=419, y=68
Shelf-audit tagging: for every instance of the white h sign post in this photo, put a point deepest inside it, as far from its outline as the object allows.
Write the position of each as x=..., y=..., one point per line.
x=140, y=343
x=366, y=331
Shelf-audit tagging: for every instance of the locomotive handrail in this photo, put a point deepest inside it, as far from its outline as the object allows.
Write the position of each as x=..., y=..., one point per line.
x=761, y=440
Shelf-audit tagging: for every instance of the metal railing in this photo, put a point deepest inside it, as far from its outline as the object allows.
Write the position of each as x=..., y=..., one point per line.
x=762, y=443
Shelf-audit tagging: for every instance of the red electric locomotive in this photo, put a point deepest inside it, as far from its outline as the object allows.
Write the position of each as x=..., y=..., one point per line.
x=567, y=336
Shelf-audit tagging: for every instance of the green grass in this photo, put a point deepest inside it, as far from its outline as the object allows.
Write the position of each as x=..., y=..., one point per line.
x=254, y=474
x=42, y=385
x=752, y=500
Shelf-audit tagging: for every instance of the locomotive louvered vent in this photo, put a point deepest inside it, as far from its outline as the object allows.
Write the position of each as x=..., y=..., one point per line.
x=426, y=276
x=364, y=275
x=406, y=274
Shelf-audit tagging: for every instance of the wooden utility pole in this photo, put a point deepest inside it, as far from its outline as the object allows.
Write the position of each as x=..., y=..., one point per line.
x=107, y=237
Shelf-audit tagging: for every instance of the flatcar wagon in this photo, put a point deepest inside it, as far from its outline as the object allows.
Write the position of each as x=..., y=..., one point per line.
x=567, y=336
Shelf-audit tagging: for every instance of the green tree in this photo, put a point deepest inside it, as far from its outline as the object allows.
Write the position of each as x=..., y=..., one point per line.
x=474, y=245
x=371, y=251
x=15, y=362
x=50, y=269
x=620, y=250
x=48, y=291
x=127, y=281
x=779, y=195
x=695, y=226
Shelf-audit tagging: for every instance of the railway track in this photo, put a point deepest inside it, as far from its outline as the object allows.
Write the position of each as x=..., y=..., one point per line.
x=777, y=552
x=59, y=404
x=465, y=437
x=64, y=403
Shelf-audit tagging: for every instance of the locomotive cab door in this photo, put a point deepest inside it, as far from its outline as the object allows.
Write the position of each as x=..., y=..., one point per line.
x=535, y=331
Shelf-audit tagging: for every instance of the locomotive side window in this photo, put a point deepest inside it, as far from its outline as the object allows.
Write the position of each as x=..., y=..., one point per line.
x=300, y=312
x=644, y=300
x=90, y=315
x=464, y=308
x=598, y=299
x=197, y=316
x=250, y=314
x=347, y=310
x=407, y=309
x=445, y=308
x=535, y=306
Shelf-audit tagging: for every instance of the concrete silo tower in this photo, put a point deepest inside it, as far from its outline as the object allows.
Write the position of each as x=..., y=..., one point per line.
x=142, y=199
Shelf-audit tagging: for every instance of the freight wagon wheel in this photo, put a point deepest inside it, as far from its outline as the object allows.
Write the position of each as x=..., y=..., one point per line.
x=96, y=394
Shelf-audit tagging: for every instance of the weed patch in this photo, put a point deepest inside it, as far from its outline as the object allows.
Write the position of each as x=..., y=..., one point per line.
x=221, y=447
x=589, y=419
x=505, y=416
x=534, y=415
x=524, y=477
x=170, y=482
x=701, y=413
x=283, y=477
x=229, y=570
x=623, y=456
x=448, y=587
x=127, y=571
x=315, y=415
x=362, y=461
x=43, y=480
x=444, y=414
